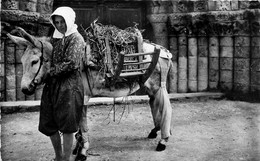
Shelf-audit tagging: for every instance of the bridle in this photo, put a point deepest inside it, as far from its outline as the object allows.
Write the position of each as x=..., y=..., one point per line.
x=33, y=84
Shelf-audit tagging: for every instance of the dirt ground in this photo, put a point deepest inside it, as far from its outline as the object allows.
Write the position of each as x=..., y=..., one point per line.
x=203, y=130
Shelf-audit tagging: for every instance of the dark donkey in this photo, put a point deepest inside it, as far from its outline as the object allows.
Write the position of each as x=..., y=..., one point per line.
x=36, y=63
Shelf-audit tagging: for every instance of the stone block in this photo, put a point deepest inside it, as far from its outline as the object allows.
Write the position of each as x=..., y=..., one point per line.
x=213, y=47
x=255, y=77
x=19, y=69
x=10, y=82
x=157, y=18
x=43, y=30
x=203, y=74
x=226, y=63
x=202, y=63
x=18, y=81
x=226, y=51
x=182, y=86
x=18, y=55
x=202, y=41
x=242, y=52
x=2, y=52
x=11, y=95
x=223, y=6
x=44, y=6
x=226, y=76
x=2, y=83
x=255, y=41
x=19, y=94
x=213, y=86
x=174, y=55
x=44, y=19
x=255, y=89
x=2, y=56
x=159, y=29
x=213, y=75
x=28, y=5
x=2, y=96
x=212, y=5
x=9, y=69
x=244, y=4
x=182, y=41
x=242, y=88
x=200, y=6
x=10, y=54
x=202, y=85
x=182, y=74
x=192, y=41
x=226, y=86
x=173, y=43
x=174, y=7
x=192, y=50
x=192, y=68
x=214, y=63
x=2, y=69
x=185, y=6
x=202, y=51
x=161, y=40
x=242, y=77
x=234, y=5
x=10, y=4
x=255, y=65
x=226, y=41
x=192, y=86
x=242, y=41
x=241, y=64
x=182, y=63
x=173, y=79
x=182, y=51
x=214, y=51
x=255, y=52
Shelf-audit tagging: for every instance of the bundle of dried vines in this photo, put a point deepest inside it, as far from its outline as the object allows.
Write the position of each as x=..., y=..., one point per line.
x=119, y=41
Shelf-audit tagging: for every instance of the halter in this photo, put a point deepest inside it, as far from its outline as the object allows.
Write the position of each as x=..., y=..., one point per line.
x=32, y=84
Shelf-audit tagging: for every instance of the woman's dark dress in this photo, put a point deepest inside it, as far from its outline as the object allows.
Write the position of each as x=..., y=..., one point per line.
x=63, y=94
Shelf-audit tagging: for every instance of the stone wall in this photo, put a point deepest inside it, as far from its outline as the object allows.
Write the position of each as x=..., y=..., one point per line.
x=215, y=43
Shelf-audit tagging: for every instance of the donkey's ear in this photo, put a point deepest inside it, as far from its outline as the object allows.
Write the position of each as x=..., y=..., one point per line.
x=19, y=40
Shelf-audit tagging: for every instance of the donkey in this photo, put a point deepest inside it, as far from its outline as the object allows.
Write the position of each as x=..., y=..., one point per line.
x=36, y=63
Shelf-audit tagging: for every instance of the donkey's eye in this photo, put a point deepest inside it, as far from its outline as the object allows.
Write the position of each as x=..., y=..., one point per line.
x=34, y=62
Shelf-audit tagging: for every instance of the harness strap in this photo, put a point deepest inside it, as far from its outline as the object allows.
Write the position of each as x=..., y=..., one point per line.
x=41, y=62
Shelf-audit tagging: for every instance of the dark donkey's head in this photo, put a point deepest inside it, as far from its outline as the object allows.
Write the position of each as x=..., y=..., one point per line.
x=35, y=60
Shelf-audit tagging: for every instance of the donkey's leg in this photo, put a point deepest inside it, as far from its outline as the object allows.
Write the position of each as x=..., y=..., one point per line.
x=82, y=137
x=162, y=112
x=166, y=116
x=84, y=130
x=156, y=119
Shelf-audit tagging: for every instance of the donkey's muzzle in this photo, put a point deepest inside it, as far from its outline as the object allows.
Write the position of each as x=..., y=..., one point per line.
x=30, y=90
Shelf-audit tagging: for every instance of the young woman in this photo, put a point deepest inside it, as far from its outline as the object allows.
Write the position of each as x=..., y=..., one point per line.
x=63, y=96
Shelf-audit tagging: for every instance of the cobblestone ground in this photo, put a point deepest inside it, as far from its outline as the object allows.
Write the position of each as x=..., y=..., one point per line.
x=205, y=130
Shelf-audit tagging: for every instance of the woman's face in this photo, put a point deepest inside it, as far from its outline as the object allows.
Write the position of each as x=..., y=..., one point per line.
x=60, y=24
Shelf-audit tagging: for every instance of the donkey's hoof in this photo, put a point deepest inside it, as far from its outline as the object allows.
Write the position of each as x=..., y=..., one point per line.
x=160, y=147
x=152, y=135
x=81, y=157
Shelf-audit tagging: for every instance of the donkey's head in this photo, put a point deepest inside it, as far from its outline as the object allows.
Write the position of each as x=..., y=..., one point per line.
x=35, y=60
